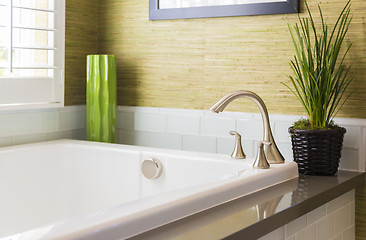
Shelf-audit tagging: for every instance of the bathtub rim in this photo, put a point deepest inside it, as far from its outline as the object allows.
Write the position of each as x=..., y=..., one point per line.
x=102, y=222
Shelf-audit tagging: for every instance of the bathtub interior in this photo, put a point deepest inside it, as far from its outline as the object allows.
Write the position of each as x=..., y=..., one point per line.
x=46, y=183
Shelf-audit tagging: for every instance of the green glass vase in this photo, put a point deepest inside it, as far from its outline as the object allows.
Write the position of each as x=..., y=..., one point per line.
x=101, y=98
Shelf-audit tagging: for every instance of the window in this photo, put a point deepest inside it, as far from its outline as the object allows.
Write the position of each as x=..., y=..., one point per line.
x=31, y=53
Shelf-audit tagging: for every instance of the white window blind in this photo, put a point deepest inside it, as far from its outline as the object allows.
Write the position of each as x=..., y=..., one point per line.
x=31, y=53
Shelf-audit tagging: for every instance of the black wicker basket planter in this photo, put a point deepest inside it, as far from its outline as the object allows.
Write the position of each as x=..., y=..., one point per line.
x=317, y=152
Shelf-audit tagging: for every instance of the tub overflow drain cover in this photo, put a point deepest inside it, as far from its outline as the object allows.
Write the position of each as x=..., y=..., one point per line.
x=151, y=168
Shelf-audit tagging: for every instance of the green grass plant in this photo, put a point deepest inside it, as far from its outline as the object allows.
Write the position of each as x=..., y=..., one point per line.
x=304, y=124
x=320, y=76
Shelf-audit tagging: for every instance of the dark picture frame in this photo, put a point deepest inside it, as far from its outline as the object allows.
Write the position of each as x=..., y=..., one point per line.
x=265, y=8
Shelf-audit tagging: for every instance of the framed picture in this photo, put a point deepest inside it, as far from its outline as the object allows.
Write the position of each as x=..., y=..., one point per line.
x=175, y=9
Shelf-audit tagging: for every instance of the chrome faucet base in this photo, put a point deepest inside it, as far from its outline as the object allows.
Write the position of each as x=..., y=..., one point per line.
x=271, y=151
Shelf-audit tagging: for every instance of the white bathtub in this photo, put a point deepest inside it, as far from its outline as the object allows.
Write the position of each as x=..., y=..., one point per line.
x=72, y=189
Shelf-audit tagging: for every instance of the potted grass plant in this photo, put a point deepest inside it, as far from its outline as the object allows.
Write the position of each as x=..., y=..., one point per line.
x=319, y=81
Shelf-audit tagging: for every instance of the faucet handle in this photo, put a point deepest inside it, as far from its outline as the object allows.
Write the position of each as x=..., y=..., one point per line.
x=261, y=160
x=236, y=134
x=238, y=152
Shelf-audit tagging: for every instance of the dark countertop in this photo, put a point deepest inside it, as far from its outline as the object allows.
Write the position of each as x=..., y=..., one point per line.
x=255, y=215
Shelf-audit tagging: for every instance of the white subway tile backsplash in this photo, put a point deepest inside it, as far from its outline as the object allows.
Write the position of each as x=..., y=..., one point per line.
x=255, y=148
x=278, y=234
x=352, y=137
x=350, y=196
x=316, y=214
x=199, y=144
x=318, y=225
x=59, y=135
x=152, y=122
x=29, y=139
x=286, y=150
x=353, y=212
x=228, y=114
x=347, y=162
x=144, y=109
x=250, y=129
x=296, y=225
x=225, y=145
x=338, y=237
x=79, y=134
x=203, y=123
x=134, y=138
x=325, y=228
x=342, y=219
x=281, y=131
x=279, y=117
x=217, y=126
x=126, y=137
x=307, y=233
x=335, y=204
x=69, y=120
x=349, y=234
x=6, y=141
x=179, y=111
x=183, y=123
x=35, y=125
x=248, y=148
x=125, y=120
x=350, y=122
x=13, y=124
x=43, y=122
x=141, y=139
x=163, y=140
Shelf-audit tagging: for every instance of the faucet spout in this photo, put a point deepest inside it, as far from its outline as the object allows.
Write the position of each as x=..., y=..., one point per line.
x=272, y=153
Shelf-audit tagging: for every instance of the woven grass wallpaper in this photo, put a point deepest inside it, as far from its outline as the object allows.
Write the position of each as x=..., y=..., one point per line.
x=81, y=40
x=191, y=63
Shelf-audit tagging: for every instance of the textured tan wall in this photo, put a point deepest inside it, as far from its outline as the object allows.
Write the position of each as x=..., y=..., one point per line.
x=192, y=63
x=81, y=40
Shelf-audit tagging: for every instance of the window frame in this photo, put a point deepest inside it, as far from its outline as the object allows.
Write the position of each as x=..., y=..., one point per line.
x=55, y=84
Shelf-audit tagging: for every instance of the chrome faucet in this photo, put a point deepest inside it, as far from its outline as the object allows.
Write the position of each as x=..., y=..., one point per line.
x=271, y=151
